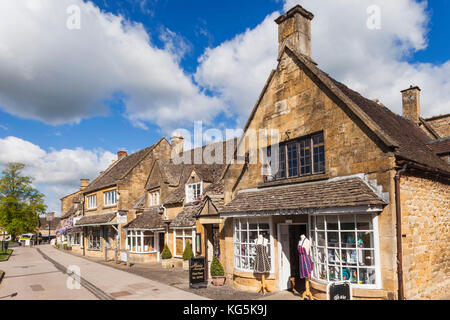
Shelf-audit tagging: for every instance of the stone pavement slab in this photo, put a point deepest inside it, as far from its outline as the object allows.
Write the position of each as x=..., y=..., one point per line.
x=117, y=283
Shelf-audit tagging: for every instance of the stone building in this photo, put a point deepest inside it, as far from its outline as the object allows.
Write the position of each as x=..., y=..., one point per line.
x=48, y=228
x=109, y=199
x=180, y=207
x=363, y=183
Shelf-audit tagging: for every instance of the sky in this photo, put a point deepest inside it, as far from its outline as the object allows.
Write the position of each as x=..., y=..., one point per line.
x=82, y=80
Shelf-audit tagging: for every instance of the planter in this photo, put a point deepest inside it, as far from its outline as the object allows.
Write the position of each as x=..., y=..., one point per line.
x=218, y=281
x=167, y=263
x=185, y=264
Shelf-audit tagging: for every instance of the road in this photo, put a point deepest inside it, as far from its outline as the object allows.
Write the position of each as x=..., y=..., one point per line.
x=40, y=273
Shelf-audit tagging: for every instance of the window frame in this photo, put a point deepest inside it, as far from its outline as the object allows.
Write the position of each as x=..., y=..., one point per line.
x=154, y=198
x=237, y=242
x=91, y=238
x=373, y=219
x=285, y=170
x=188, y=199
x=132, y=237
x=90, y=202
x=187, y=234
x=107, y=198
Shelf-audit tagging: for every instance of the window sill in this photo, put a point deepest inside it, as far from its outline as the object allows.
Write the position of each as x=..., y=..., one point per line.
x=91, y=209
x=111, y=206
x=309, y=178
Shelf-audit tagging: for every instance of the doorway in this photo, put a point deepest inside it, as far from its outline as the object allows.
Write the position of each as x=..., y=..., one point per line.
x=212, y=244
x=288, y=258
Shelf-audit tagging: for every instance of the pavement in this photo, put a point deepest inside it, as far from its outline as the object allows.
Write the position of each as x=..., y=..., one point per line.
x=42, y=272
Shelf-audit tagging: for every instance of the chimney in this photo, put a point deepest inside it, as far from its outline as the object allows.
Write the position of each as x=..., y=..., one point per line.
x=294, y=29
x=177, y=142
x=121, y=154
x=84, y=184
x=411, y=103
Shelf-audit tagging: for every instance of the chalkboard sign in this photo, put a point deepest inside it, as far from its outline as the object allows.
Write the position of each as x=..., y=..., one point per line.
x=339, y=291
x=197, y=274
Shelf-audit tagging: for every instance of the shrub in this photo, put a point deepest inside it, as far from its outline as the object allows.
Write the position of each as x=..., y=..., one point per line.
x=188, y=254
x=166, y=254
x=217, y=268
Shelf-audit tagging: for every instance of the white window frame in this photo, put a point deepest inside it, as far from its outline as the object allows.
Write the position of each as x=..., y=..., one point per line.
x=153, y=198
x=75, y=239
x=110, y=198
x=190, y=197
x=376, y=248
x=238, y=228
x=91, y=239
x=132, y=237
x=92, y=201
x=187, y=233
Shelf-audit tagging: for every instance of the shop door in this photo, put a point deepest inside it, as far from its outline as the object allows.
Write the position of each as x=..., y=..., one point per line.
x=161, y=241
x=284, y=255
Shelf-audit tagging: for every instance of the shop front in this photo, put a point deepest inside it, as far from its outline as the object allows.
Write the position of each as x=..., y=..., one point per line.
x=338, y=216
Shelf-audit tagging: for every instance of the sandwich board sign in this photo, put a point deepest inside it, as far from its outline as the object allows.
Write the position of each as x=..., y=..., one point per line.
x=197, y=273
x=339, y=290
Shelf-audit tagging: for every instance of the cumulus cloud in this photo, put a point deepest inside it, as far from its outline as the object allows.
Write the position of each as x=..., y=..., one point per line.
x=56, y=172
x=371, y=61
x=61, y=75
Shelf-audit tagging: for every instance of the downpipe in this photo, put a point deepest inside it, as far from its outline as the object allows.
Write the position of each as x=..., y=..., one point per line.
x=401, y=292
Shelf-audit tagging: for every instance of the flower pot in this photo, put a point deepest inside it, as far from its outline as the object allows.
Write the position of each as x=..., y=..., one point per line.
x=185, y=264
x=218, y=281
x=167, y=263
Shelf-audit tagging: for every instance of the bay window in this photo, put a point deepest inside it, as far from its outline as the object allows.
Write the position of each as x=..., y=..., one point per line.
x=140, y=241
x=246, y=231
x=344, y=248
x=183, y=237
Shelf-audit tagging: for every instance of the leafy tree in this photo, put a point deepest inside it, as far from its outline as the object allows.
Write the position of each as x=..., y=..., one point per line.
x=20, y=203
x=217, y=268
x=188, y=254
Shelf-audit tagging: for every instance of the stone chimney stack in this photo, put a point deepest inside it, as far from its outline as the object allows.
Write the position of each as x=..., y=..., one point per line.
x=177, y=142
x=84, y=184
x=294, y=29
x=411, y=103
x=121, y=154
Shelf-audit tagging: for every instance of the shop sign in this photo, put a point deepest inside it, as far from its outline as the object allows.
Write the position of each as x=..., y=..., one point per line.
x=121, y=217
x=197, y=274
x=339, y=290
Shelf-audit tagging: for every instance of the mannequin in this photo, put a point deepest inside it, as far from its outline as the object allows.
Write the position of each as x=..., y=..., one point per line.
x=262, y=264
x=306, y=265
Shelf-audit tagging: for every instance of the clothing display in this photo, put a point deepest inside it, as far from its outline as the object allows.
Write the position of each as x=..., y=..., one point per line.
x=262, y=264
x=306, y=264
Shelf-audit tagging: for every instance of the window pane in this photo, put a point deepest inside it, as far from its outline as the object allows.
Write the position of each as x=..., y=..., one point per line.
x=365, y=240
x=350, y=274
x=282, y=163
x=253, y=226
x=322, y=272
x=253, y=236
x=237, y=261
x=244, y=237
x=348, y=240
x=320, y=223
x=333, y=239
x=334, y=273
x=321, y=238
x=366, y=257
x=364, y=222
x=349, y=257
x=332, y=223
x=305, y=157
x=366, y=276
x=292, y=159
x=264, y=226
x=179, y=246
x=319, y=153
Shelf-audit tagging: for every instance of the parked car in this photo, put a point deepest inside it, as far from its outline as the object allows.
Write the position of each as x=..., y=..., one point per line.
x=27, y=236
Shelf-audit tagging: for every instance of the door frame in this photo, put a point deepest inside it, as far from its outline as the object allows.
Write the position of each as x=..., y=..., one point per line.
x=280, y=249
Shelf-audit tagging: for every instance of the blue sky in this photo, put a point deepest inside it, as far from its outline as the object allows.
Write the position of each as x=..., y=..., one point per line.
x=203, y=40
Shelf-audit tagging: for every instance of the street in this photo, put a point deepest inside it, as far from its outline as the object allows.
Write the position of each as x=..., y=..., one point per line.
x=39, y=273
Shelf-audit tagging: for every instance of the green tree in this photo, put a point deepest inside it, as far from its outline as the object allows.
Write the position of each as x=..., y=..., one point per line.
x=20, y=203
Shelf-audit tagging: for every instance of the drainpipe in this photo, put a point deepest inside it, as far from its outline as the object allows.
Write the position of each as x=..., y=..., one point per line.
x=398, y=209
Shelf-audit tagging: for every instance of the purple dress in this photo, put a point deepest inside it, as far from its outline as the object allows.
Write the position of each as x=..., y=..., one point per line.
x=306, y=264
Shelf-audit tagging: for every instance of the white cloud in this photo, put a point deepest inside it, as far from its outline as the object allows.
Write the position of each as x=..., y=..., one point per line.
x=56, y=172
x=57, y=75
x=373, y=62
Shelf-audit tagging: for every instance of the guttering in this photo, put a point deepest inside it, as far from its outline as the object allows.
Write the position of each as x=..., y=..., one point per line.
x=398, y=209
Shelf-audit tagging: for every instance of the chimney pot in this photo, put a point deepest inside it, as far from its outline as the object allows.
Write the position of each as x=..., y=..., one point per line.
x=294, y=29
x=411, y=103
x=121, y=154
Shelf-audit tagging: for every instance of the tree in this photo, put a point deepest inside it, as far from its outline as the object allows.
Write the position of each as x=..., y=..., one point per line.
x=20, y=203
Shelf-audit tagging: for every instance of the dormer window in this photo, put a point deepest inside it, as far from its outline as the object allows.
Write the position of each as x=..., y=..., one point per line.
x=193, y=191
x=153, y=198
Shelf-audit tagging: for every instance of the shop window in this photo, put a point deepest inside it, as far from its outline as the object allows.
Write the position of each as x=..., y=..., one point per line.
x=153, y=199
x=193, y=191
x=140, y=241
x=75, y=239
x=92, y=201
x=299, y=157
x=94, y=238
x=343, y=248
x=246, y=231
x=183, y=237
x=110, y=198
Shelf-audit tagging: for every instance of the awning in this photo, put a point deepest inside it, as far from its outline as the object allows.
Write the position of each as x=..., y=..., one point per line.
x=338, y=195
x=97, y=220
